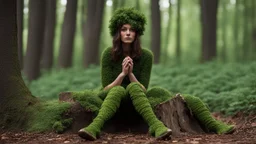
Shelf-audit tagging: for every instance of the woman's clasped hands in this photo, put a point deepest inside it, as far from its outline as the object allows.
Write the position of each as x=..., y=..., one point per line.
x=127, y=65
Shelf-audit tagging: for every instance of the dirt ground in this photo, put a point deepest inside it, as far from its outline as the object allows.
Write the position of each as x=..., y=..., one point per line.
x=245, y=134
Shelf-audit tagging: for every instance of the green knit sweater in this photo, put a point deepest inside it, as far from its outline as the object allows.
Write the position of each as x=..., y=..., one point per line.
x=111, y=69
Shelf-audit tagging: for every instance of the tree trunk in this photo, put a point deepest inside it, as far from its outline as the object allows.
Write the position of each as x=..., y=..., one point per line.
x=253, y=29
x=47, y=57
x=114, y=5
x=167, y=34
x=224, y=32
x=237, y=47
x=92, y=37
x=121, y=3
x=156, y=30
x=173, y=113
x=209, y=27
x=35, y=39
x=178, y=32
x=15, y=97
x=138, y=5
x=67, y=36
x=252, y=26
x=83, y=16
x=20, y=6
x=246, y=38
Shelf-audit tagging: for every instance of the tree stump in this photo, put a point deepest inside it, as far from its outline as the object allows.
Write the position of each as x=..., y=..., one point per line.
x=174, y=113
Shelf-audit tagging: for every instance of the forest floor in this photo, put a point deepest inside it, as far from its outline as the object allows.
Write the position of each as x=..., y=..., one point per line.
x=245, y=134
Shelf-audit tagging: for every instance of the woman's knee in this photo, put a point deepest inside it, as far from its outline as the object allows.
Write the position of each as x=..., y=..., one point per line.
x=133, y=86
x=158, y=92
x=117, y=88
x=118, y=91
x=193, y=101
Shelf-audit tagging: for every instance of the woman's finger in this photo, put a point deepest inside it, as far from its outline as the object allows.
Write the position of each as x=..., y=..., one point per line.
x=125, y=62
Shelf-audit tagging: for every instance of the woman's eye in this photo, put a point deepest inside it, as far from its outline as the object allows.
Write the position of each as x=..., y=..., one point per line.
x=123, y=29
x=133, y=30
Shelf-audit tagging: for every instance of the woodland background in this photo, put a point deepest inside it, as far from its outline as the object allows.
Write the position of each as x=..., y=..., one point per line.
x=204, y=48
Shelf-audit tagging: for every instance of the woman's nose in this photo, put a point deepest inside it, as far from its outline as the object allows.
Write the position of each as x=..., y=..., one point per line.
x=127, y=32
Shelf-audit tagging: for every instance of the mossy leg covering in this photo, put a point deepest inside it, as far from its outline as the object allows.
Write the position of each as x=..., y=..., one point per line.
x=157, y=95
x=143, y=107
x=202, y=113
x=107, y=110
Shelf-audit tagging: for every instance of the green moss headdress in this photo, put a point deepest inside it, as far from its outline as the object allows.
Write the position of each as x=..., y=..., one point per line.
x=127, y=16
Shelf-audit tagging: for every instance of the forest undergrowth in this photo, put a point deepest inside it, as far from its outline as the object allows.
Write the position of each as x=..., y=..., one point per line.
x=226, y=88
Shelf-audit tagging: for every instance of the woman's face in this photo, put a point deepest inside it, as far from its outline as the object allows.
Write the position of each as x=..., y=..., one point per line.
x=127, y=34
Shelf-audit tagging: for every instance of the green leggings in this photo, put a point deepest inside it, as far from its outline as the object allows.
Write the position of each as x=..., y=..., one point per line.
x=143, y=103
x=140, y=102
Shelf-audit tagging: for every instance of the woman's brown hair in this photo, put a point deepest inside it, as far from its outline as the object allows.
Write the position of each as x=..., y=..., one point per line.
x=117, y=50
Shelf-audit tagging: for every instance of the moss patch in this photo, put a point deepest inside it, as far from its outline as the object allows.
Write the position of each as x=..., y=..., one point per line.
x=48, y=116
x=89, y=99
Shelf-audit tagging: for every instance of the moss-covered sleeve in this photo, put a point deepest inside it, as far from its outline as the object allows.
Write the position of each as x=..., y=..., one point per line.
x=106, y=68
x=146, y=66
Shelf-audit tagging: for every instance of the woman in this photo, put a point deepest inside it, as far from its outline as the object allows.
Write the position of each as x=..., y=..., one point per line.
x=125, y=73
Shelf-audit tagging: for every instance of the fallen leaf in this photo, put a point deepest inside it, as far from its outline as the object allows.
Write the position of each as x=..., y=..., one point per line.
x=4, y=138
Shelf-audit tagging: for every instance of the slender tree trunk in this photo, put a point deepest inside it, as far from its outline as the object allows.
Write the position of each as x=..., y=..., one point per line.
x=246, y=45
x=15, y=97
x=156, y=30
x=138, y=5
x=20, y=6
x=121, y=3
x=83, y=16
x=237, y=51
x=224, y=31
x=92, y=38
x=47, y=58
x=209, y=27
x=67, y=36
x=91, y=7
x=35, y=38
x=178, y=33
x=254, y=29
x=167, y=37
x=114, y=5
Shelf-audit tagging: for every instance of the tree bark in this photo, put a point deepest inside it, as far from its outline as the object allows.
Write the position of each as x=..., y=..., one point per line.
x=178, y=33
x=167, y=35
x=224, y=32
x=121, y=3
x=253, y=29
x=84, y=16
x=67, y=36
x=138, y=5
x=15, y=97
x=176, y=115
x=246, y=38
x=47, y=57
x=35, y=39
x=92, y=37
x=209, y=27
x=156, y=30
x=237, y=47
x=20, y=6
x=173, y=113
x=114, y=5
